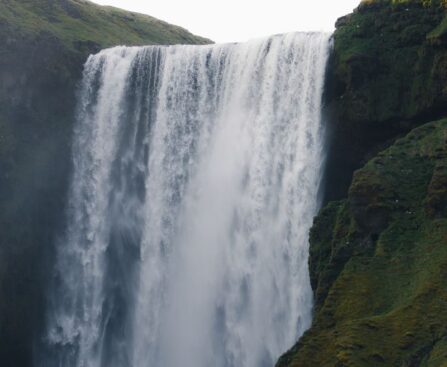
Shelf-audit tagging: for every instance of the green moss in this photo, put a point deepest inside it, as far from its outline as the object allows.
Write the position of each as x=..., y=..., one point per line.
x=437, y=356
x=388, y=76
x=378, y=258
x=386, y=303
x=440, y=31
x=78, y=21
x=386, y=64
x=330, y=249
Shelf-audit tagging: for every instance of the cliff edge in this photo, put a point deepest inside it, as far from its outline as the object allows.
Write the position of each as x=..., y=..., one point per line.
x=378, y=249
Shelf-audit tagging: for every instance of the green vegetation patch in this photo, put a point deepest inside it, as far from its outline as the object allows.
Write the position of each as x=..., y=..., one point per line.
x=380, y=275
x=78, y=21
x=388, y=63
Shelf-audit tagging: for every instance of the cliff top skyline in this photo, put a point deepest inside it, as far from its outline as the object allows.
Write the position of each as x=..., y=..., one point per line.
x=239, y=21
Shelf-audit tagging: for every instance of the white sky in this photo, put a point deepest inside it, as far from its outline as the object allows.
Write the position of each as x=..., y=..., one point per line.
x=240, y=20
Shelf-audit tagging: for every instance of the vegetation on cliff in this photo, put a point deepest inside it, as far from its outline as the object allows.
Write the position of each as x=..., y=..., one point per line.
x=388, y=75
x=378, y=255
x=74, y=22
x=379, y=262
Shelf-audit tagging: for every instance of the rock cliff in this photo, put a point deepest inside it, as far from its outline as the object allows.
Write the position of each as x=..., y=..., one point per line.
x=378, y=257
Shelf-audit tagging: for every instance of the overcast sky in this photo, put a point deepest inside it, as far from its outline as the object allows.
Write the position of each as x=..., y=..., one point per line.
x=240, y=20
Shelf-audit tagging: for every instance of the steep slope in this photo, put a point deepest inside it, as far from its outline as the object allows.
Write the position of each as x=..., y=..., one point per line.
x=389, y=74
x=378, y=257
x=379, y=262
x=74, y=22
x=43, y=45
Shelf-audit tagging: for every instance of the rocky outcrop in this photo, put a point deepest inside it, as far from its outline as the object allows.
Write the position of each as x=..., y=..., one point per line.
x=378, y=258
x=388, y=75
x=379, y=263
x=43, y=45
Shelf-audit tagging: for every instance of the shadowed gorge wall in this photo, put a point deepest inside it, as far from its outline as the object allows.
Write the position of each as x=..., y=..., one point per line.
x=43, y=45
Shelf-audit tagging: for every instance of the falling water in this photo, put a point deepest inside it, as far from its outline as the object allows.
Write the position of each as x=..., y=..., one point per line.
x=196, y=172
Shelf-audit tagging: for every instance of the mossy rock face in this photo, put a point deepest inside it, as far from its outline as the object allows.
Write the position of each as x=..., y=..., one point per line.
x=388, y=75
x=378, y=257
x=381, y=294
x=386, y=67
x=43, y=46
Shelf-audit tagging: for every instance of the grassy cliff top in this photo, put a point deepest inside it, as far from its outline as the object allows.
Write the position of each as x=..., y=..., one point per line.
x=75, y=21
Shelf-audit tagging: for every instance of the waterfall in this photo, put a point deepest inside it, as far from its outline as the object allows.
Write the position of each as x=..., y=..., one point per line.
x=195, y=181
